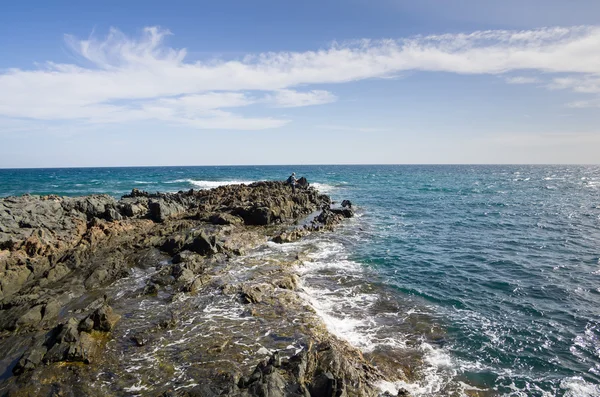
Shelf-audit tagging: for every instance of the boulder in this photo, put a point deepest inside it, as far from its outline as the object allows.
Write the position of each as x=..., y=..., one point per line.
x=302, y=182
x=224, y=218
x=104, y=318
x=31, y=318
x=203, y=245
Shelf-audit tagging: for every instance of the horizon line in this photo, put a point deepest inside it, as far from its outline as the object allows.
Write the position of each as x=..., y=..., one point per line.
x=300, y=165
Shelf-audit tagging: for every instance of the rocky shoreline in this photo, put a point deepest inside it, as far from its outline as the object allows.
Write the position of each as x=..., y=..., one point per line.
x=90, y=285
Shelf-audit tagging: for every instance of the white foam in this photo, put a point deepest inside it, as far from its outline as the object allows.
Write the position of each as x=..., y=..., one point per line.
x=344, y=311
x=577, y=387
x=322, y=187
x=209, y=184
x=136, y=388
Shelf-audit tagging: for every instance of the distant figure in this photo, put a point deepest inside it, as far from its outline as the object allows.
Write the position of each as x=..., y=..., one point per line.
x=292, y=182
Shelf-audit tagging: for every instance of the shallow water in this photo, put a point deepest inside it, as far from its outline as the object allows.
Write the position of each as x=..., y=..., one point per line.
x=490, y=273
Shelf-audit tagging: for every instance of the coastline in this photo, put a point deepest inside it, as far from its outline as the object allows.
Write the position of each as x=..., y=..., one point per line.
x=67, y=301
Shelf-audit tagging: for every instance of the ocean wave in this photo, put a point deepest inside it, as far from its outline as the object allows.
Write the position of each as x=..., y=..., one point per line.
x=202, y=184
x=334, y=286
x=323, y=187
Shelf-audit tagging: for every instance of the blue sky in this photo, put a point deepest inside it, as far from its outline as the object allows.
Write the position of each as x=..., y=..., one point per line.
x=312, y=82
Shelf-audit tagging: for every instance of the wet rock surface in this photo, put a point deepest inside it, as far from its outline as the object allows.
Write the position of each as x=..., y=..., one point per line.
x=171, y=281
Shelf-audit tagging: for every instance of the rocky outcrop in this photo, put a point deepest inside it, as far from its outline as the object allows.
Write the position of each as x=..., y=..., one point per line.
x=325, y=221
x=328, y=370
x=71, y=341
x=42, y=239
x=59, y=254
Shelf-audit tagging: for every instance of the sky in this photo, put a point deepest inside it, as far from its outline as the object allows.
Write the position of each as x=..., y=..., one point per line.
x=137, y=83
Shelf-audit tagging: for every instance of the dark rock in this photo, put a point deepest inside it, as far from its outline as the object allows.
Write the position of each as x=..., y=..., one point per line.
x=86, y=325
x=302, y=182
x=69, y=344
x=289, y=281
x=30, y=360
x=174, y=244
x=203, y=245
x=150, y=289
x=140, y=339
x=346, y=203
x=255, y=215
x=54, y=248
x=324, y=385
x=51, y=309
x=198, y=283
x=97, y=278
x=254, y=293
x=31, y=318
x=111, y=214
x=104, y=318
x=183, y=274
x=225, y=219
x=162, y=210
x=345, y=212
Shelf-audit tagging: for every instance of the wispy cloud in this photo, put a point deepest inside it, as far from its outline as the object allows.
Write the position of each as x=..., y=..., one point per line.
x=291, y=98
x=587, y=84
x=522, y=80
x=121, y=79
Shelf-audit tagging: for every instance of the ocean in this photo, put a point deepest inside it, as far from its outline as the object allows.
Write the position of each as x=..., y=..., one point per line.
x=473, y=278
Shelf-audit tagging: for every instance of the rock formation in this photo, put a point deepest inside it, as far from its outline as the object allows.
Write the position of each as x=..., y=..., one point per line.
x=59, y=255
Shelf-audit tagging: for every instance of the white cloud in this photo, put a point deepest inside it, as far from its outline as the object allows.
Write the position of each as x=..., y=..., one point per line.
x=121, y=79
x=291, y=98
x=522, y=80
x=587, y=84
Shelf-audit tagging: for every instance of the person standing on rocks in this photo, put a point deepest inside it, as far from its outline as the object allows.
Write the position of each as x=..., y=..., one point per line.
x=292, y=182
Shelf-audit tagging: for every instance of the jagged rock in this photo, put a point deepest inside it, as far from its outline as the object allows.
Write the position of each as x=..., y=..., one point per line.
x=104, y=318
x=111, y=214
x=51, y=309
x=254, y=293
x=326, y=372
x=150, y=289
x=255, y=215
x=30, y=360
x=57, y=272
x=289, y=281
x=86, y=325
x=31, y=318
x=54, y=247
x=97, y=278
x=140, y=339
x=345, y=212
x=324, y=385
x=203, y=245
x=162, y=210
x=198, y=283
x=346, y=203
x=183, y=274
x=224, y=218
x=291, y=236
x=174, y=244
x=302, y=182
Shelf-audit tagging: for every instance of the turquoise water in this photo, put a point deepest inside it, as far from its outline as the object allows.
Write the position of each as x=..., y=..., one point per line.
x=505, y=258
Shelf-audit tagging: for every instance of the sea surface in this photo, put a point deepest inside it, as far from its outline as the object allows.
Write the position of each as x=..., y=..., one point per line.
x=489, y=276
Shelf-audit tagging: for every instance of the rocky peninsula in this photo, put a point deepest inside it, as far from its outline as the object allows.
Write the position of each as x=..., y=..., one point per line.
x=166, y=294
